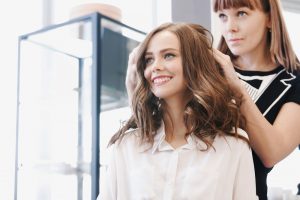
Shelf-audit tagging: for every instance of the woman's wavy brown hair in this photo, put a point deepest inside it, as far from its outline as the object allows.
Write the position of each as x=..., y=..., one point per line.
x=212, y=107
x=278, y=40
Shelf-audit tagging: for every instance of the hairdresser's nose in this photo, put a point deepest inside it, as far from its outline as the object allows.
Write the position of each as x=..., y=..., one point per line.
x=231, y=25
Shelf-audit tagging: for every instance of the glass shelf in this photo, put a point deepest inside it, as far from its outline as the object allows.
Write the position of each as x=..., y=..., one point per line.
x=71, y=99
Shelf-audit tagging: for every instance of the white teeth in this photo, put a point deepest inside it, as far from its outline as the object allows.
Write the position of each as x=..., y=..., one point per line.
x=161, y=80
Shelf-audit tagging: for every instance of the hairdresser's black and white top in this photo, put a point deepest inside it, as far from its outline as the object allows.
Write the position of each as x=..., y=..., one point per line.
x=270, y=91
x=160, y=172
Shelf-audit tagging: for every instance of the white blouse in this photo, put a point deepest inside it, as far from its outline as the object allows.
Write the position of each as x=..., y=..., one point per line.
x=160, y=172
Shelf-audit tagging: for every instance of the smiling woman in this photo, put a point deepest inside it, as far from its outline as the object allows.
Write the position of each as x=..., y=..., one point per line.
x=183, y=140
x=164, y=71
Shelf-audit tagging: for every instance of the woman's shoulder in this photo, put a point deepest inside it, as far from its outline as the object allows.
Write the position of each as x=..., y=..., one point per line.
x=131, y=140
x=242, y=132
x=131, y=135
x=296, y=74
x=130, y=144
x=234, y=142
x=293, y=94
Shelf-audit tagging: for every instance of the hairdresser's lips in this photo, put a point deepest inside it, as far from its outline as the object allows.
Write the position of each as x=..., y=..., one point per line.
x=235, y=41
x=160, y=80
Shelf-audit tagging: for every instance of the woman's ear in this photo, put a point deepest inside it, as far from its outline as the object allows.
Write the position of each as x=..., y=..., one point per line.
x=268, y=21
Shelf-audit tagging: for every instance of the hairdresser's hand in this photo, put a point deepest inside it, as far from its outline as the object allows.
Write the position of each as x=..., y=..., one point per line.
x=131, y=75
x=227, y=66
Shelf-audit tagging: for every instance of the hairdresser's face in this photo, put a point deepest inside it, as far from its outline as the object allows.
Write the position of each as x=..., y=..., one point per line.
x=164, y=70
x=244, y=30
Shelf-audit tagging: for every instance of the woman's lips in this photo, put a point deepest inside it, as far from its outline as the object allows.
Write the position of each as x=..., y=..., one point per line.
x=160, y=80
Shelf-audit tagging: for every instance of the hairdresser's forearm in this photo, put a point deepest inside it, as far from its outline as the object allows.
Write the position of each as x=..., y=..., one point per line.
x=271, y=143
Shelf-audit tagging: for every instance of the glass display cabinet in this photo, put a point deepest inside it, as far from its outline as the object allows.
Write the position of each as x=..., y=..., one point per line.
x=71, y=99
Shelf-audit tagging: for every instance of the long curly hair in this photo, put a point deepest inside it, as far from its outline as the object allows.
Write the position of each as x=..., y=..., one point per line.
x=212, y=108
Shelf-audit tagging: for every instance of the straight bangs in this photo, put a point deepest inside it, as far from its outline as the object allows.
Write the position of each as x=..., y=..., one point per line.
x=227, y=4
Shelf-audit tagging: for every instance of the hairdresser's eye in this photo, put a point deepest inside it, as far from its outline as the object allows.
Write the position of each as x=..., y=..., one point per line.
x=169, y=56
x=148, y=60
x=241, y=13
x=222, y=17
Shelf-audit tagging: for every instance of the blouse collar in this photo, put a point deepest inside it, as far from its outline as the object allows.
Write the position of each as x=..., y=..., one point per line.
x=160, y=144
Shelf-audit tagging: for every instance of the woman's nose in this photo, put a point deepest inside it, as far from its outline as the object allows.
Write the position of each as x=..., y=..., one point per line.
x=157, y=65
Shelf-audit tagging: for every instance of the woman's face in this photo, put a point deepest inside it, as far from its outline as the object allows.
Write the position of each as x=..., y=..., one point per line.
x=164, y=70
x=244, y=30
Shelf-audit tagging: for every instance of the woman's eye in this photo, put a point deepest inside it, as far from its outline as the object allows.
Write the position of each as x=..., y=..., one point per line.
x=169, y=55
x=241, y=13
x=148, y=60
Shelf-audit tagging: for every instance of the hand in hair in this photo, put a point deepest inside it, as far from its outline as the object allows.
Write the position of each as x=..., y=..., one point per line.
x=131, y=74
x=227, y=66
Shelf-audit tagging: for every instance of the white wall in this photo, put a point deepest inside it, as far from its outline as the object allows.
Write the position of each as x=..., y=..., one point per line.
x=16, y=17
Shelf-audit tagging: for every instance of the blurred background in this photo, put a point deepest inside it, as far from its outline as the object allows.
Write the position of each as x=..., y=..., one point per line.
x=137, y=17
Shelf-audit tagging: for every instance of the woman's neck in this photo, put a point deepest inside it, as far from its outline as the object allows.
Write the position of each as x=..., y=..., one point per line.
x=174, y=122
x=254, y=64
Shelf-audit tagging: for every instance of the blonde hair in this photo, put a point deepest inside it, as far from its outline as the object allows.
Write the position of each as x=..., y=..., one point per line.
x=279, y=43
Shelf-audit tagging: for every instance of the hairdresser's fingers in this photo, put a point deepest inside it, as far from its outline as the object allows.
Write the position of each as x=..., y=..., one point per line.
x=131, y=74
x=223, y=59
x=132, y=62
x=133, y=55
x=227, y=66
